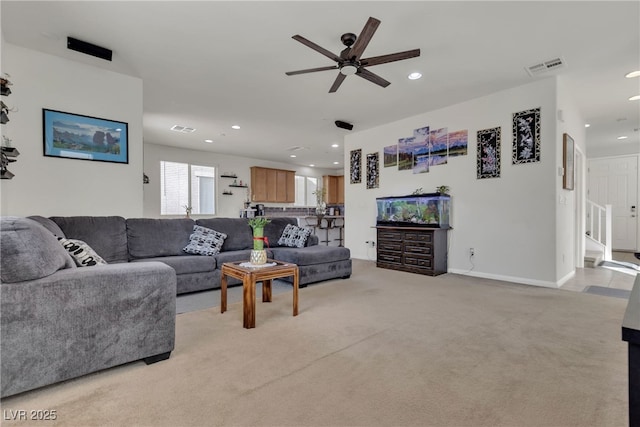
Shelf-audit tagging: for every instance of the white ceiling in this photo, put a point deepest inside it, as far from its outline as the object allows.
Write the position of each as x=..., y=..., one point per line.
x=213, y=64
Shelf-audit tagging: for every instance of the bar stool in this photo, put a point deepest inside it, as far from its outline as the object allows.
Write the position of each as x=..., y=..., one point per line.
x=312, y=221
x=339, y=224
x=324, y=224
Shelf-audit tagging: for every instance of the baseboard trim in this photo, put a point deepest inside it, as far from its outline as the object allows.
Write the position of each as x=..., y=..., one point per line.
x=520, y=280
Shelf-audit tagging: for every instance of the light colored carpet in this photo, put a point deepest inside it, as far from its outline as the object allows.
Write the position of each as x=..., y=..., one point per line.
x=383, y=348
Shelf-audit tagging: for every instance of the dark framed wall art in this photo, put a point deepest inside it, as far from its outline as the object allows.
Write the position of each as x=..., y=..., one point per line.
x=76, y=136
x=568, y=159
x=373, y=170
x=488, y=160
x=526, y=136
x=356, y=166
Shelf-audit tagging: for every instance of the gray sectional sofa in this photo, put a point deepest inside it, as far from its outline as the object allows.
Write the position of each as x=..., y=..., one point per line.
x=59, y=321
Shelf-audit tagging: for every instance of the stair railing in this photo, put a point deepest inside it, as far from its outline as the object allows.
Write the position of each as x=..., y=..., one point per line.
x=599, y=226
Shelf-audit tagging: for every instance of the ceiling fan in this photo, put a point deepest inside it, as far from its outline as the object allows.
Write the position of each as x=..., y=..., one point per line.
x=349, y=62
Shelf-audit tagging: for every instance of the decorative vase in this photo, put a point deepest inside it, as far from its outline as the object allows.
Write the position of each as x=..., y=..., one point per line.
x=258, y=256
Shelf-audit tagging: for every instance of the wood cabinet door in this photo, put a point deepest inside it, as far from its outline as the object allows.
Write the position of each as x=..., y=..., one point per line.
x=340, y=189
x=259, y=184
x=291, y=187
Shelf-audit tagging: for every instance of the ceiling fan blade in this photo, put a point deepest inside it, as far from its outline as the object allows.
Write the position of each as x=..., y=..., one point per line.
x=364, y=38
x=337, y=82
x=398, y=56
x=317, y=48
x=311, y=70
x=373, y=78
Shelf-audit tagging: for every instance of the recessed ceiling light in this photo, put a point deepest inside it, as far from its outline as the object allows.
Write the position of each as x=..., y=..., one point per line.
x=236, y=127
x=587, y=125
x=312, y=165
x=292, y=155
x=633, y=74
x=335, y=145
x=414, y=76
x=623, y=137
x=336, y=163
x=634, y=98
x=208, y=140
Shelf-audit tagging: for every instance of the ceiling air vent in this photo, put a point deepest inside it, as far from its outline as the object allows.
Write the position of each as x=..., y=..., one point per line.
x=297, y=148
x=184, y=129
x=543, y=67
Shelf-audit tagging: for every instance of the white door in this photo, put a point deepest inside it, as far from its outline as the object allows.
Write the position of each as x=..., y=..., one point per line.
x=614, y=181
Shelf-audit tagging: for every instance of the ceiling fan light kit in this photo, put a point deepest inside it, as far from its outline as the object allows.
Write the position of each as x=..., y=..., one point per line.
x=349, y=62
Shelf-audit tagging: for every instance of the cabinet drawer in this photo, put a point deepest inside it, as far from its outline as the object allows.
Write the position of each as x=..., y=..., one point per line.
x=424, y=262
x=385, y=245
x=389, y=235
x=413, y=248
x=417, y=236
x=390, y=257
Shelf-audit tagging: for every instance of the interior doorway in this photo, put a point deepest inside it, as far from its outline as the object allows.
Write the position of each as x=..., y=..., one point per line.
x=614, y=181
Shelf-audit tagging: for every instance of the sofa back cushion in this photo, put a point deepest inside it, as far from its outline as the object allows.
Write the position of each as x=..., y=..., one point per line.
x=149, y=238
x=273, y=230
x=28, y=251
x=48, y=224
x=107, y=235
x=238, y=231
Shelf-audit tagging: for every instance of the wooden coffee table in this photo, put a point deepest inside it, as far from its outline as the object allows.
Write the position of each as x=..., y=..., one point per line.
x=249, y=277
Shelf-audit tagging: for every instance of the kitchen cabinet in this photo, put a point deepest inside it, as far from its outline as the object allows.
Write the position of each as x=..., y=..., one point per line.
x=272, y=185
x=334, y=185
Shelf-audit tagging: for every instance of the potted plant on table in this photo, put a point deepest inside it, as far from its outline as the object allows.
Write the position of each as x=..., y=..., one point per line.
x=258, y=254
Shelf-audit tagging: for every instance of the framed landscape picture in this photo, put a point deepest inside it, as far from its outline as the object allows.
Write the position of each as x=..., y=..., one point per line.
x=81, y=137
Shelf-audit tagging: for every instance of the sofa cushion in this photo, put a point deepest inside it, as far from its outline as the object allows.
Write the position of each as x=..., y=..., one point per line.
x=149, y=238
x=311, y=255
x=107, y=235
x=294, y=236
x=28, y=251
x=238, y=231
x=81, y=253
x=232, y=256
x=204, y=241
x=48, y=224
x=185, y=264
x=273, y=230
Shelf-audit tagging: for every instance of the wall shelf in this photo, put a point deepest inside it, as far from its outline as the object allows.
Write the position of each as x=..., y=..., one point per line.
x=228, y=176
x=238, y=186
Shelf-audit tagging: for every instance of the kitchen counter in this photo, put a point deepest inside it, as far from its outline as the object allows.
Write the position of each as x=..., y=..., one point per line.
x=327, y=234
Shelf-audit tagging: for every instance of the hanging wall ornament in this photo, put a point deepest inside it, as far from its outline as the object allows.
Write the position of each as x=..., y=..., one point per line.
x=356, y=166
x=488, y=160
x=373, y=170
x=526, y=136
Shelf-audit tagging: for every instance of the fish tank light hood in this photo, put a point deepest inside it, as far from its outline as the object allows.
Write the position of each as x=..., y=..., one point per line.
x=429, y=210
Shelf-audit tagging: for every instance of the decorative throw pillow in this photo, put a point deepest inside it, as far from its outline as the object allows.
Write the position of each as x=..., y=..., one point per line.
x=294, y=236
x=204, y=241
x=81, y=253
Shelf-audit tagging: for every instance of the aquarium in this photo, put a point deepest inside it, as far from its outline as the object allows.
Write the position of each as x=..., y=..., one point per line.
x=422, y=210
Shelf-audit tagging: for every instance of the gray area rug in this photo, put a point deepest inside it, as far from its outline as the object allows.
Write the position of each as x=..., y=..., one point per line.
x=607, y=292
x=206, y=299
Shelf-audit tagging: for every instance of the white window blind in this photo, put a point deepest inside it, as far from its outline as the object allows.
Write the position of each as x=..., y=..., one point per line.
x=182, y=184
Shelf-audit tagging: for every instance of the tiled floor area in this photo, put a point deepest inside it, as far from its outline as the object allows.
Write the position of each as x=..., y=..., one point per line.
x=608, y=277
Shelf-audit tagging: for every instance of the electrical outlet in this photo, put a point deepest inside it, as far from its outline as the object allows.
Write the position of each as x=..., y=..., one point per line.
x=370, y=243
x=472, y=252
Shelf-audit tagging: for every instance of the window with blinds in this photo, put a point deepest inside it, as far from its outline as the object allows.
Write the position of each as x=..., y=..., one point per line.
x=305, y=186
x=183, y=185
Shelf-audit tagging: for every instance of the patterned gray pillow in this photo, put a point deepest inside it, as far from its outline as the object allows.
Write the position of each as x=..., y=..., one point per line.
x=204, y=241
x=82, y=254
x=294, y=236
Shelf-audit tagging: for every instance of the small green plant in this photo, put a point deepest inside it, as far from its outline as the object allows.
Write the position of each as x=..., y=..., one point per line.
x=443, y=189
x=258, y=223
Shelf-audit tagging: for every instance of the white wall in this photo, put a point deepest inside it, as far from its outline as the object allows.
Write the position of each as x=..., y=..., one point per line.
x=228, y=206
x=569, y=213
x=55, y=186
x=510, y=221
